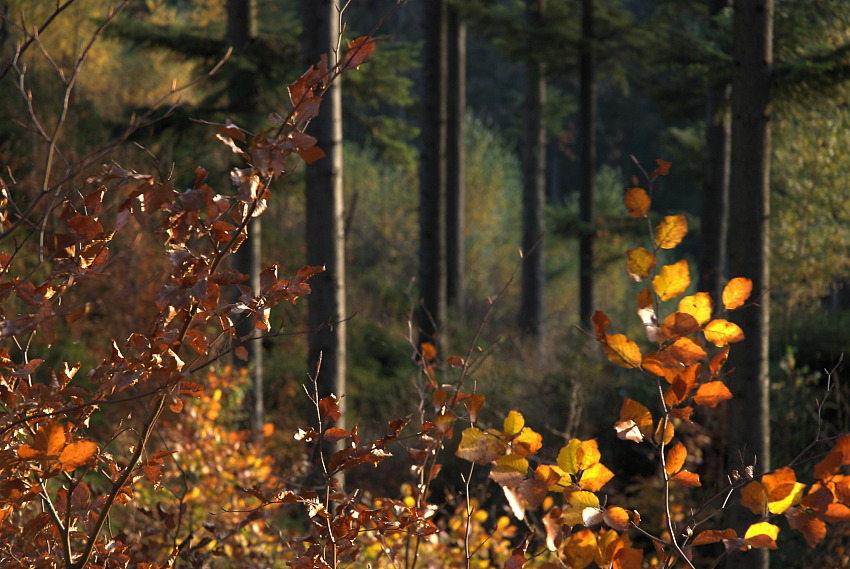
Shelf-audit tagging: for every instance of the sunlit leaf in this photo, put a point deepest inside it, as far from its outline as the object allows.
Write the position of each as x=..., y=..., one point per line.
x=513, y=423
x=712, y=393
x=637, y=202
x=527, y=442
x=679, y=324
x=762, y=535
x=617, y=518
x=639, y=263
x=635, y=422
x=479, y=446
x=77, y=454
x=359, y=51
x=595, y=477
x=722, y=332
x=580, y=548
x=671, y=231
x=675, y=458
x=628, y=558
x=622, y=351
x=672, y=281
x=664, y=430
x=685, y=351
x=713, y=536
x=736, y=292
x=698, y=305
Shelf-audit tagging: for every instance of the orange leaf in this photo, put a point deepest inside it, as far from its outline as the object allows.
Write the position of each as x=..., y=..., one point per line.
x=473, y=405
x=812, y=528
x=76, y=454
x=671, y=231
x=685, y=351
x=762, y=534
x=717, y=362
x=595, y=477
x=722, y=332
x=639, y=262
x=50, y=439
x=635, y=421
x=672, y=281
x=697, y=305
x=678, y=324
x=713, y=536
x=653, y=364
x=622, y=351
x=628, y=558
x=600, y=324
x=687, y=478
x=428, y=351
x=662, y=169
x=712, y=393
x=736, y=292
x=637, y=202
x=669, y=431
x=359, y=51
x=675, y=458
x=644, y=299
x=617, y=518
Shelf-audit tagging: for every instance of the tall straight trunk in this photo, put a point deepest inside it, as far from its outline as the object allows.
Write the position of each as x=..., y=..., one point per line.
x=431, y=312
x=715, y=192
x=455, y=190
x=587, y=98
x=242, y=94
x=533, y=190
x=748, y=247
x=325, y=220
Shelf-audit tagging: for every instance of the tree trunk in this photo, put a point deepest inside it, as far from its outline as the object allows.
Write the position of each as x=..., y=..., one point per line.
x=533, y=190
x=455, y=191
x=588, y=161
x=431, y=312
x=325, y=221
x=748, y=247
x=715, y=192
x=242, y=93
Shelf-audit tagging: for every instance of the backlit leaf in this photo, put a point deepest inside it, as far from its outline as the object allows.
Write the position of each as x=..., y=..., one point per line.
x=527, y=442
x=722, y=332
x=736, y=292
x=685, y=351
x=713, y=536
x=359, y=51
x=622, y=351
x=671, y=231
x=595, y=477
x=712, y=393
x=617, y=518
x=675, y=458
x=628, y=558
x=665, y=425
x=514, y=423
x=718, y=361
x=479, y=446
x=600, y=324
x=678, y=324
x=672, y=281
x=637, y=202
x=639, y=263
x=76, y=454
x=635, y=421
x=762, y=535
x=580, y=548
x=697, y=305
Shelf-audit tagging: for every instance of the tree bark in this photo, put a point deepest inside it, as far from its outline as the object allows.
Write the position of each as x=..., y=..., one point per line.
x=455, y=153
x=431, y=312
x=587, y=98
x=715, y=192
x=327, y=352
x=533, y=190
x=242, y=94
x=748, y=246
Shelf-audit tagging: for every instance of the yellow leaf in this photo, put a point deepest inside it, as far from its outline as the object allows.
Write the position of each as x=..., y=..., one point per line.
x=567, y=458
x=736, y=292
x=595, y=477
x=637, y=202
x=622, y=351
x=580, y=548
x=527, y=442
x=721, y=332
x=514, y=423
x=671, y=231
x=478, y=446
x=762, y=535
x=639, y=262
x=712, y=393
x=587, y=454
x=672, y=281
x=513, y=462
x=697, y=305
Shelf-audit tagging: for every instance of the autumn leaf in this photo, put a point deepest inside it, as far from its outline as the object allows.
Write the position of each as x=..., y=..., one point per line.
x=685, y=351
x=479, y=446
x=697, y=305
x=679, y=324
x=617, y=518
x=762, y=535
x=580, y=548
x=711, y=393
x=622, y=351
x=77, y=454
x=736, y=292
x=595, y=477
x=513, y=423
x=713, y=536
x=635, y=421
x=359, y=51
x=674, y=466
x=671, y=231
x=637, y=202
x=639, y=263
x=722, y=332
x=672, y=280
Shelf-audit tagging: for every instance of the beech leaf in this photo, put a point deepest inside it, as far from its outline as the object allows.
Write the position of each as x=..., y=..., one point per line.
x=736, y=292
x=672, y=281
x=671, y=231
x=76, y=454
x=637, y=202
x=722, y=332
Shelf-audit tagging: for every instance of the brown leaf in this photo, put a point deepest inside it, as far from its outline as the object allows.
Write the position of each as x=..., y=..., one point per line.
x=76, y=454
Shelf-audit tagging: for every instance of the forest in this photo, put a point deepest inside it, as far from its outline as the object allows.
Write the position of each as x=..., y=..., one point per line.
x=427, y=284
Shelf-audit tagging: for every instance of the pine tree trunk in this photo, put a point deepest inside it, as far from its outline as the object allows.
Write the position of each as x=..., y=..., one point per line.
x=588, y=162
x=431, y=312
x=242, y=93
x=455, y=191
x=325, y=221
x=715, y=193
x=533, y=191
x=748, y=247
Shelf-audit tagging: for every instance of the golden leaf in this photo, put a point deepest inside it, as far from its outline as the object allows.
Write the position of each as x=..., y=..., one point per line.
x=697, y=305
x=736, y=292
x=637, y=202
x=671, y=231
x=672, y=281
x=639, y=262
x=721, y=332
